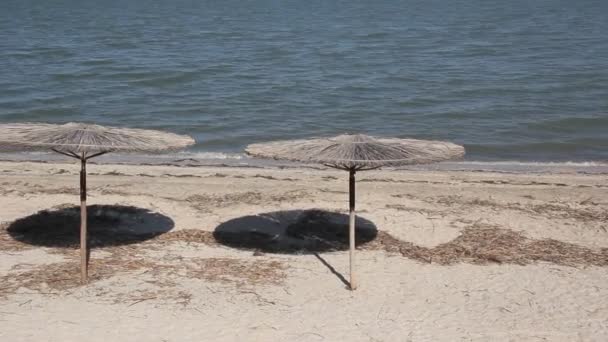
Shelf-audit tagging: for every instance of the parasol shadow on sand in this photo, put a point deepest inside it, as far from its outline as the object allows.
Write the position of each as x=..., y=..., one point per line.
x=357, y=152
x=84, y=142
x=108, y=225
x=295, y=232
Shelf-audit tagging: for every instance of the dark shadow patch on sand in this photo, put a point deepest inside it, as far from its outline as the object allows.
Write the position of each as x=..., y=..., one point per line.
x=108, y=225
x=293, y=231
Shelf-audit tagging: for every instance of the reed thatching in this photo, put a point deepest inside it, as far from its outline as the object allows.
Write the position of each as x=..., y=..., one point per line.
x=79, y=138
x=357, y=151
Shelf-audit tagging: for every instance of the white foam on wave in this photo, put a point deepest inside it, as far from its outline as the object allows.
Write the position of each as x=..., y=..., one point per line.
x=209, y=155
x=533, y=163
x=241, y=159
x=514, y=163
x=182, y=154
x=513, y=166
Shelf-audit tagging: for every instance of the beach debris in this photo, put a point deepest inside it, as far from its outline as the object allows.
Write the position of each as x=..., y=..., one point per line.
x=478, y=244
x=484, y=244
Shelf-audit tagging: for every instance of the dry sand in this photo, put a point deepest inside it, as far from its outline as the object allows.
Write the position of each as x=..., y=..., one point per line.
x=457, y=256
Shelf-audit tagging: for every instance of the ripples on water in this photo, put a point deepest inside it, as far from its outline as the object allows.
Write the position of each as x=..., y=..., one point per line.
x=512, y=80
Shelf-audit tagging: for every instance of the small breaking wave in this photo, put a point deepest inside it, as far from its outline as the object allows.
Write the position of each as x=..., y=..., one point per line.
x=227, y=159
x=211, y=155
x=532, y=163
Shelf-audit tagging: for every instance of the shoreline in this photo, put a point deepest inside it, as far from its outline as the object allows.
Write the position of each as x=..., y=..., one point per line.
x=217, y=159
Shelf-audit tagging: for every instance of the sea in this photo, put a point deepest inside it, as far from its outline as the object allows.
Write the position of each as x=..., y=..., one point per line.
x=519, y=83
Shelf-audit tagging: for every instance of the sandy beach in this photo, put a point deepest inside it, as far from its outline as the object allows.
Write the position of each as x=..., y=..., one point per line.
x=472, y=256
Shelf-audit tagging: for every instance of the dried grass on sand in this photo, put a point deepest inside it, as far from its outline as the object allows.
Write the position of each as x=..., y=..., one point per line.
x=478, y=244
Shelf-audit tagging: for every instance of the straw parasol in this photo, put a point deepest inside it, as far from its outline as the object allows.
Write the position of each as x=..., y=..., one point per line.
x=357, y=152
x=84, y=142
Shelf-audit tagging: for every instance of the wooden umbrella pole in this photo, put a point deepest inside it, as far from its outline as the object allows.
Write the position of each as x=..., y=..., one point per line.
x=83, y=219
x=351, y=227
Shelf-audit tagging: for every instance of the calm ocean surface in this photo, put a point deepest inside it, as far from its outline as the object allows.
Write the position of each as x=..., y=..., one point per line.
x=511, y=80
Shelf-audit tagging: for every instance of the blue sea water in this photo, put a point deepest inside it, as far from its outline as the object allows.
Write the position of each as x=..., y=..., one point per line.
x=511, y=80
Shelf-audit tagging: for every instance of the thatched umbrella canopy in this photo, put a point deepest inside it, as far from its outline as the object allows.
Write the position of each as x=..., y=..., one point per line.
x=83, y=142
x=357, y=152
